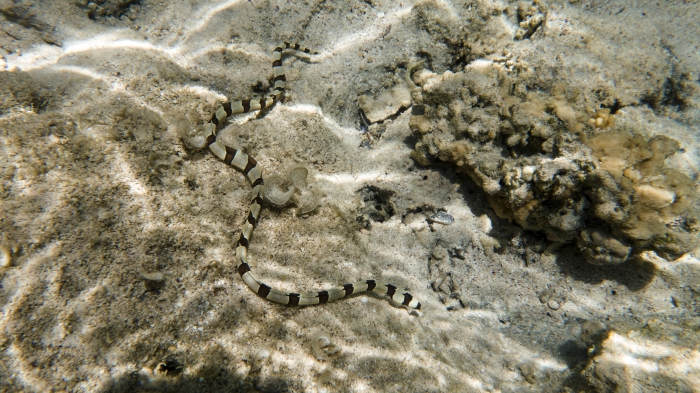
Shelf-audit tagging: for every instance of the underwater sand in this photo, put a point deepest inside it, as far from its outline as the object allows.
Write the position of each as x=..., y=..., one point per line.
x=117, y=270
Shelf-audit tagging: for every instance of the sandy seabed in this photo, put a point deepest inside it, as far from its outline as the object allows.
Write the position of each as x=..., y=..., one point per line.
x=117, y=268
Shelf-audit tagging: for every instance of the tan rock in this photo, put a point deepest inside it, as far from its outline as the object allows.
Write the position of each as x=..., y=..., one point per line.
x=387, y=103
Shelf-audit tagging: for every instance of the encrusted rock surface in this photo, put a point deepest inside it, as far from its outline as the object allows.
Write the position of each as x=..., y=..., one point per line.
x=635, y=361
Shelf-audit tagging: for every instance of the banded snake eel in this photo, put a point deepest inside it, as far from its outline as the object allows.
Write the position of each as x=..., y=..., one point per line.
x=249, y=167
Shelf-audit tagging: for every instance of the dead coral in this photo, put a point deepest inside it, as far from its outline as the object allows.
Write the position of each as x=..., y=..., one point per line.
x=662, y=215
x=610, y=192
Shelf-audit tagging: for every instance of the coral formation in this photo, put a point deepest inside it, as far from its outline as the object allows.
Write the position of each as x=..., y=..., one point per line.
x=545, y=167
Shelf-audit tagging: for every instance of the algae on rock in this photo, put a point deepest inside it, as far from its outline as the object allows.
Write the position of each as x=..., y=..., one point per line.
x=545, y=167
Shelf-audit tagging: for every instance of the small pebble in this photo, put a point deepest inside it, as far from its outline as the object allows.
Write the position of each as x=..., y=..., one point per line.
x=592, y=332
x=442, y=217
x=544, y=295
x=485, y=223
x=154, y=281
x=153, y=276
x=146, y=372
x=380, y=14
x=5, y=256
x=553, y=304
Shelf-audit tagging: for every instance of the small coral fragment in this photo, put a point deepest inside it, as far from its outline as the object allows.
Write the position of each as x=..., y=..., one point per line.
x=441, y=217
x=531, y=18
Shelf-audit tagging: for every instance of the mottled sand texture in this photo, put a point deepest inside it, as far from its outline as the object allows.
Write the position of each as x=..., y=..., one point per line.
x=117, y=269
